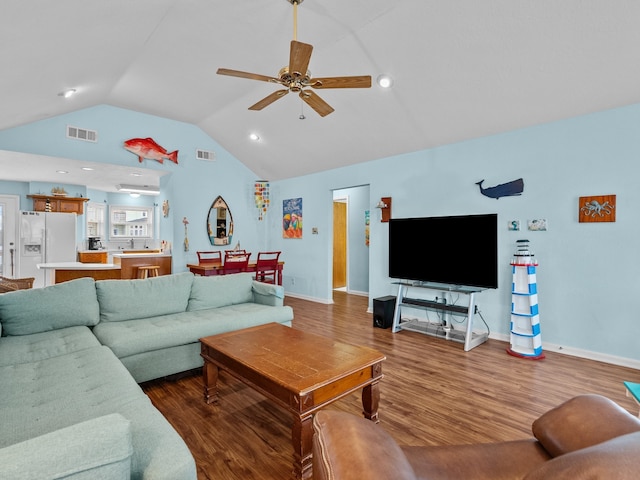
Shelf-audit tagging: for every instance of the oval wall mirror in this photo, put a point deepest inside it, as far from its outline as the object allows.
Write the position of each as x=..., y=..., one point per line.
x=219, y=222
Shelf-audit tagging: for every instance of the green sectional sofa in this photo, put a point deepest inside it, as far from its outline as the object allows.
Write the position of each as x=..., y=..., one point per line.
x=71, y=358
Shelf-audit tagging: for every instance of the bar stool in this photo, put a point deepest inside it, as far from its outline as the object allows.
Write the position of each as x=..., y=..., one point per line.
x=145, y=271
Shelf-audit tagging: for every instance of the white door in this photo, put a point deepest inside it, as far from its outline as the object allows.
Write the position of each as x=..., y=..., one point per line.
x=8, y=235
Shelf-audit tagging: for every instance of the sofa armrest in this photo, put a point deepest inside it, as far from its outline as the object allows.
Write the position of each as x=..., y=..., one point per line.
x=267, y=294
x=100, y=448
x=581, y=422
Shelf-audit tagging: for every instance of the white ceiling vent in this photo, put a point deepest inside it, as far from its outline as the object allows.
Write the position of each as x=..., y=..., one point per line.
x=206, y=155
x=82, y=134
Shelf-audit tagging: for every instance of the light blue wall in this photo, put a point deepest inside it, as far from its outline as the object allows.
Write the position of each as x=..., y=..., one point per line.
x=191, y=185
x=588, y=276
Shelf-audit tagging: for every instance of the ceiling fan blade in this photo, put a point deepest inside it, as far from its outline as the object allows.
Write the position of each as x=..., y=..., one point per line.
x=363, y=81
x=299, y=57
x=321, y=107
x=268, y=100
x=250, y=76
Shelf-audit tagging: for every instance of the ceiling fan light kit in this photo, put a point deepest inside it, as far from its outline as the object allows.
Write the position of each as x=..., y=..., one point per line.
x=296, y=76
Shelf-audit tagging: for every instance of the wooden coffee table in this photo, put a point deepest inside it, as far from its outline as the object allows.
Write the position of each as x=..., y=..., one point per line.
x=300, y=371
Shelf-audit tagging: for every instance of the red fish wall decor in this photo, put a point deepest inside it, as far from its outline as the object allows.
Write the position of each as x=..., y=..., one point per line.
x=148, y=148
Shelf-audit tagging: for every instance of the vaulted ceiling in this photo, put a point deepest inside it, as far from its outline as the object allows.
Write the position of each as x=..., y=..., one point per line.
x=462, y=69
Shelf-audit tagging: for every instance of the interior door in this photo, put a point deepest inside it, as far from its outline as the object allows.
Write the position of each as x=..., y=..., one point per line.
x=339, y=244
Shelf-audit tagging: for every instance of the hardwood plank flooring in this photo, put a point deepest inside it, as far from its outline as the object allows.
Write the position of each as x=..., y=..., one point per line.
x=433, y=393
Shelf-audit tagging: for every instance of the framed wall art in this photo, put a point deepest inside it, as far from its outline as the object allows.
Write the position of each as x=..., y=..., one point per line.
x=597, y=208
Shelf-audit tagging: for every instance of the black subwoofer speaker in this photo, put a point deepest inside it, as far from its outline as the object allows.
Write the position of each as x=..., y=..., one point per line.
x=383, y=309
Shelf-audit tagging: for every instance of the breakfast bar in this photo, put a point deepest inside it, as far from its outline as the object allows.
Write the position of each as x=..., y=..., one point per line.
x=65, y=271
x=124, y=266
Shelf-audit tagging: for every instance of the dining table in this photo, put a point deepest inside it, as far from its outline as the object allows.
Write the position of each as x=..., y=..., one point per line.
x=215, y=268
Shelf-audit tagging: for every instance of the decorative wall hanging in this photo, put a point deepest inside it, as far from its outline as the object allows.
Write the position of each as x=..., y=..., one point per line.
x=165, y=208
x=509, y=189
x=537, y=225
x=186, y=235
x=261, y=194
x=599, y=208
x=219, y=222
x=367, y=227
x=292, y=218
x=148, y=148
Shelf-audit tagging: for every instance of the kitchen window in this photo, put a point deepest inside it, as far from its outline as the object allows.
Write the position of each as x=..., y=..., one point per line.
x=130, y=222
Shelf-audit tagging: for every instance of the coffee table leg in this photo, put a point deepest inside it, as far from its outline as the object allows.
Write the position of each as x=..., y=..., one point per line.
x=210, y=380
x=302, y=438
x=370, y=401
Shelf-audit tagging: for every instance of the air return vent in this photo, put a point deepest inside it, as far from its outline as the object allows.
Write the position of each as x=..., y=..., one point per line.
x=82, y=134
x=206, y=155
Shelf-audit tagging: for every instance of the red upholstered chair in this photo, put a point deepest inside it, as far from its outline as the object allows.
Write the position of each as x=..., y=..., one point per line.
x=267, y=267
x=210, y=257
x=235, y=262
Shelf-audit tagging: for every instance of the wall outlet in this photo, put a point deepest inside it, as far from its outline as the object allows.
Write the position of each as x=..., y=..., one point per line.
x=293, y=281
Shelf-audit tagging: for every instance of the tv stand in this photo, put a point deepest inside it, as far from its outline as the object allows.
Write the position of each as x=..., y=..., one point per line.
x=444, y=328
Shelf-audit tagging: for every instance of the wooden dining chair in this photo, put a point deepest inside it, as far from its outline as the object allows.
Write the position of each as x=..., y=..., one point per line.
x=210, y=257
x=235, y=262
x=267, y=267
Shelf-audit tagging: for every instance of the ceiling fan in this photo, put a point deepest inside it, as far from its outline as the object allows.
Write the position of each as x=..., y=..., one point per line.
x=296, y=78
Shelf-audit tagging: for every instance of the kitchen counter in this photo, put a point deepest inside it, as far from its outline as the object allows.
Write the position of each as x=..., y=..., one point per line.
x=129, y=262
x=65, y=271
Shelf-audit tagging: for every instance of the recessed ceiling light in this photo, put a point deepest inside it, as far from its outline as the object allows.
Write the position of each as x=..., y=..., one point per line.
x=67, y=93
x=87, y=169
x=61, y=171
x=385, y=81
x=135, y=174
x=254, y=137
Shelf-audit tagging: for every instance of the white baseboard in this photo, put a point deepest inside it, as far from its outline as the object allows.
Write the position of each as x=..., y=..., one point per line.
x=325, y=301
x=578, y=352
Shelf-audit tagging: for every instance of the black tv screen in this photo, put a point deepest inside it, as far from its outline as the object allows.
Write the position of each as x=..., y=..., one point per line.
x=456, y=250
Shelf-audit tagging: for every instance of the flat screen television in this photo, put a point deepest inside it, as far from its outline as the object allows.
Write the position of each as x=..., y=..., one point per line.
x=456, y=250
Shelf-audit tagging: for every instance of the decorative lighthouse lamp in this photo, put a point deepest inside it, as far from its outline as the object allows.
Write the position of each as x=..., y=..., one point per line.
x=526, y=341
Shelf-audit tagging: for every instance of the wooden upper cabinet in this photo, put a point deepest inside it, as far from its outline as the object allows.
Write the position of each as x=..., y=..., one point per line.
x=58, y=204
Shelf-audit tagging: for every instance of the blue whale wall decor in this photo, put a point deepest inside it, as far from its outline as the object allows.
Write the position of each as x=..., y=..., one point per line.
x=509, y=189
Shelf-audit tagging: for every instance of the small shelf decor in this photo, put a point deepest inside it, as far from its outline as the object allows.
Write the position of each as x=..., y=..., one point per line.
x=526, y=340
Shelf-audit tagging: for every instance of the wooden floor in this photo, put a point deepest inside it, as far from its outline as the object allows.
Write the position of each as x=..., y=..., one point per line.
x=432, y=393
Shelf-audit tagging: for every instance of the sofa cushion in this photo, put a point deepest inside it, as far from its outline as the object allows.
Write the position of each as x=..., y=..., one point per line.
x=144, y=335
x=41, y=346
x=62, y=391
x=122, y=300
x=96, y=449
x=573, y=425
x=618, y=458
x=35, y=310
x=220, y=290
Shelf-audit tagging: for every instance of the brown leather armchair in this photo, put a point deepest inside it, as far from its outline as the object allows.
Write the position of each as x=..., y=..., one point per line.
x=587, y=437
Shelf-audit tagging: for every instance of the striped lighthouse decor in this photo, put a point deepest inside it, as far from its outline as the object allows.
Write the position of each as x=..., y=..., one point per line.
x=526, y=339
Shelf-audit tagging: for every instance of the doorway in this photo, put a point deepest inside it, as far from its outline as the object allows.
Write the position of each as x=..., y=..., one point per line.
x=340, y=244
x=8, y=235
x=350, y=257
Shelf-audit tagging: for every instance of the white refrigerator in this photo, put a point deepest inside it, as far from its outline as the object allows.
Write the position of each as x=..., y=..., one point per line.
x=45, y=237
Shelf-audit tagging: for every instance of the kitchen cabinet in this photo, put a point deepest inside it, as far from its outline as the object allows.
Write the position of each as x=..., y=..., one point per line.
x=54, y=203
x=94, y=256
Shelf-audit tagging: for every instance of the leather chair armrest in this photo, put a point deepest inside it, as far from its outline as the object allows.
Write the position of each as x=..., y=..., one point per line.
x=581, y=422
x=347, y=447
x=483, y=461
